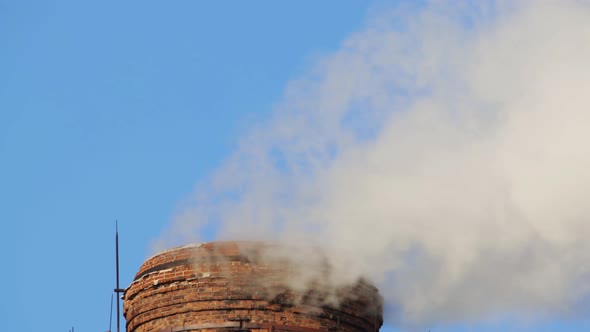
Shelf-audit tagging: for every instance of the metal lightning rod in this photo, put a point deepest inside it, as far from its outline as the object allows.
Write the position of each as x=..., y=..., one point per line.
x=117, y=290
x=111, y=317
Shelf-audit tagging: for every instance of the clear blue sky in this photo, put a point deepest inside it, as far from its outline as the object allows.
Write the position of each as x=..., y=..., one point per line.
x=114, y=110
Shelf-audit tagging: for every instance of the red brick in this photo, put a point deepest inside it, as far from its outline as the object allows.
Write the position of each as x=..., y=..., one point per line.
x=215, y=284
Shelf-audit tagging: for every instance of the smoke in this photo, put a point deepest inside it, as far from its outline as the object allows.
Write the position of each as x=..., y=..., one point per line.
x=442, y=153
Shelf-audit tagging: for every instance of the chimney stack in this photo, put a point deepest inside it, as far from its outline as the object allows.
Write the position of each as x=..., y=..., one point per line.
x=222, y=286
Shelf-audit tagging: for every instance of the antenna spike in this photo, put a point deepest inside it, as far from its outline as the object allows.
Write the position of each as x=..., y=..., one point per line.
x=117, y=290
x=111, y=317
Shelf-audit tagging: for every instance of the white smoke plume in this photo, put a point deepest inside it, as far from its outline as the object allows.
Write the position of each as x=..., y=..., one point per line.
x=443, y=153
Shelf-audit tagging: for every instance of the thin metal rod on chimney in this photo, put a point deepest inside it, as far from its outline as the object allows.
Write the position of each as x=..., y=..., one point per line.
x=117, y=290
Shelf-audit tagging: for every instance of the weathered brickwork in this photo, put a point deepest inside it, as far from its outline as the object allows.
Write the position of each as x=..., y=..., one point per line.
x=219, y=287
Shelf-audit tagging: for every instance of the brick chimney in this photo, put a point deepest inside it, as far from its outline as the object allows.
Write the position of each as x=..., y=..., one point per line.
x=222, y=286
